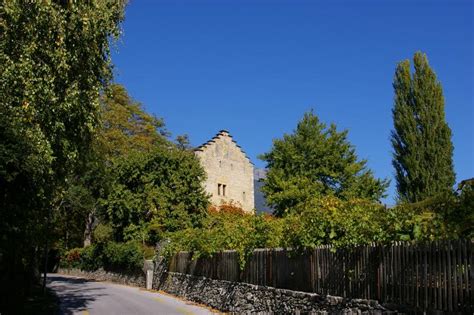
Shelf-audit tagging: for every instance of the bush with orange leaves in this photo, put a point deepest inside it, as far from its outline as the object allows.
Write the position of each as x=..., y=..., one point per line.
x=227, y=207
x=228, y=227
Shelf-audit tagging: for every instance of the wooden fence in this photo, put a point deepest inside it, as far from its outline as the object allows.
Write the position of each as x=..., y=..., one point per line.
x=420, y=277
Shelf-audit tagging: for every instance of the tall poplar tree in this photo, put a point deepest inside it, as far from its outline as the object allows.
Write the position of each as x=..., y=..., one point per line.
x=421, y=139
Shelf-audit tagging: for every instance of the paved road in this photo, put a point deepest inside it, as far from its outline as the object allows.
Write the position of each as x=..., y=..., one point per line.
x=80, y=296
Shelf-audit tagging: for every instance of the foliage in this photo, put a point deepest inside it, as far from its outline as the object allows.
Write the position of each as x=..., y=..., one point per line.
x=103, y=233
x=126, y=127
x=226, y=208
x=123, y=256
x=111, y=256
x=227, y=230
x=54, y=59
x=77, y=201
x=159, y=190
x=72, y=258
x=316, y=160
x=326, y=221
x=444, y=216
x=337, y=222
x=463, y=215
x=182, y=142
x=421, y=139
x=91, y=257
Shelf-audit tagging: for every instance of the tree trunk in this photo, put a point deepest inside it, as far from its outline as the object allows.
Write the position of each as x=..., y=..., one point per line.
x=89, y=228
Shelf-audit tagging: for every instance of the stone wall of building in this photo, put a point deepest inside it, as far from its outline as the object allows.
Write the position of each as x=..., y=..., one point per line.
x=229, y=171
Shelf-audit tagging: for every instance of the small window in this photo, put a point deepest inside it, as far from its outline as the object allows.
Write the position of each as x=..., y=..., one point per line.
x=219, y=189
x=223, y=189
x=243, y=196
x=220, y=163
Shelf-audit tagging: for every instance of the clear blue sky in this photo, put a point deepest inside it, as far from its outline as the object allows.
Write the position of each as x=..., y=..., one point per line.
x=254, y=68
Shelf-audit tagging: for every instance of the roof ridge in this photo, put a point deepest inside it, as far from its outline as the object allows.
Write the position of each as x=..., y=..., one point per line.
x=217, y=136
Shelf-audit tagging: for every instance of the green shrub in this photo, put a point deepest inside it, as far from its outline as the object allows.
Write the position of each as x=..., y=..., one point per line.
x=91, y=257
x=227, y=229
x=327, y=220
x=330, y=220
x=123, y=256
x=111, y=256
x=103, y=233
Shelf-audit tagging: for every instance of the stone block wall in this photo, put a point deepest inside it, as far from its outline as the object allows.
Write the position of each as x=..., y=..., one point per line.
x=243, y=298
x=137, y=280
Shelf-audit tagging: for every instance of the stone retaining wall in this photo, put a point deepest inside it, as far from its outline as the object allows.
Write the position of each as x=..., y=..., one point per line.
x=234, y=297
x=137, y=280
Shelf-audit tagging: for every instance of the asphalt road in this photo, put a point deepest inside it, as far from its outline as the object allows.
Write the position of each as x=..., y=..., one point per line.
x=80, y=296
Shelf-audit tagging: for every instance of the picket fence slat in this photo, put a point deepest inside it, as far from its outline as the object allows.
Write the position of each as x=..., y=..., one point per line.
x=434, y=276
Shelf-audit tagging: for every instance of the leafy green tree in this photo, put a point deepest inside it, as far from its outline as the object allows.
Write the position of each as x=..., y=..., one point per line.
x=69, y=220
x=161, y=189
x=421, y=139
x=126, y=126
x=316, y=160
x=75, y=217
x=125, y=129
x=54, y=59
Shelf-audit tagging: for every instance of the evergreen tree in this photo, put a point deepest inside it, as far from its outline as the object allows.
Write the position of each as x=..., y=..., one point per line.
x=421, y=138
x=316, y=161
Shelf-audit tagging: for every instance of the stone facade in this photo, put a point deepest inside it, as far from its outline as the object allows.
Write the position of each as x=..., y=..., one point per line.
x=229, y=171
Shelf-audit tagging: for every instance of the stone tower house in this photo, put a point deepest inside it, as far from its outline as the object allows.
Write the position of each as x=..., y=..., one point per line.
x=229, y=171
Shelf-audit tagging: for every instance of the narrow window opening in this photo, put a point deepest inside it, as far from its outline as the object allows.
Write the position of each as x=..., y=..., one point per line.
x=219, y=189
x=223, y=189
x=243, y=196
x=220, y=163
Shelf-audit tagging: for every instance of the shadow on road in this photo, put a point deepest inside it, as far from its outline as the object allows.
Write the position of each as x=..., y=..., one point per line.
x=74, y=294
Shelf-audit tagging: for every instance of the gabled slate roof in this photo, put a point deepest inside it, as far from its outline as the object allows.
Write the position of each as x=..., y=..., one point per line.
x=217, y=136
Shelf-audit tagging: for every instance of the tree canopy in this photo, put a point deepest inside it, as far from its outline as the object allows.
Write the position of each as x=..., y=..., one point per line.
x=421, y=139
x=126, y=126
x=158, y=191
x=316, y=161
x=55, y=60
